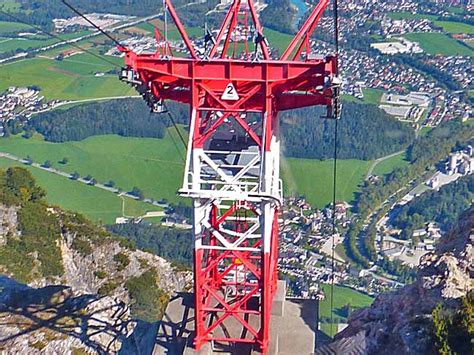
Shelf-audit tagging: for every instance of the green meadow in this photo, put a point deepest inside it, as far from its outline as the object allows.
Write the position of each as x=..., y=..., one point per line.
x=34, y=41
x=387, y=166
x=150, y=164
x=455, y=27
x=314, y=179
x=97, y=204
x=342, y=296
x=154, y=166
x=11, y=27
x=439, y=43
x=10, y=6
x=371, y=96
x=411, y=16
x=70, y=79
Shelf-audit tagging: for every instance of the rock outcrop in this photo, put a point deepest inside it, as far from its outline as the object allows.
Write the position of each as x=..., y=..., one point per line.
x=400, y=322
x=87, y=309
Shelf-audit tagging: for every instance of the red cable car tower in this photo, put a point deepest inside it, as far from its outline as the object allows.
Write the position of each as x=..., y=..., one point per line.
x=233, y=157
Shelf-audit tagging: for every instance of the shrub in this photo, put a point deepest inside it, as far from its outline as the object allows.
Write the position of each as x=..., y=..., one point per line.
x=148, y=301
x=82, y=246
x=107, y=288
x=100, y=274
x=122, y=261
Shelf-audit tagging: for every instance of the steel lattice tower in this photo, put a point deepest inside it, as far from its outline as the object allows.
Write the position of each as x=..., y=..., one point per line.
x=233, y=157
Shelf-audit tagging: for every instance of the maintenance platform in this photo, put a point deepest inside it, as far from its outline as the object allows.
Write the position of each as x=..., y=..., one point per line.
x=293, y=328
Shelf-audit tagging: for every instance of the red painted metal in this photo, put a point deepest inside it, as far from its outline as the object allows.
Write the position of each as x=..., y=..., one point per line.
x=265, y=86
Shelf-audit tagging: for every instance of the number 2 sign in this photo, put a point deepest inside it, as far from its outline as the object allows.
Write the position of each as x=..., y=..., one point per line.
x=230, y=93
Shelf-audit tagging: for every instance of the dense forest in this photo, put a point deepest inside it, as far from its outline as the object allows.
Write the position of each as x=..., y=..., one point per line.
x=365, y=131
x=278, y=16
x=417, y=62
x=172, y=244
x=129, y=118
x=42, y=12
x=423, y=154
x=443, y=206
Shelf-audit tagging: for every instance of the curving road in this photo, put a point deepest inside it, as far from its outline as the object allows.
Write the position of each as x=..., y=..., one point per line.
x=378, y=161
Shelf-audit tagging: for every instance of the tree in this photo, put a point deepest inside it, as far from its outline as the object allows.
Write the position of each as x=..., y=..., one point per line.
x=28, y=160
x=88, y=177
x=75, y=176
x=28, y=134
x=138, y=193
x=20, y=183
x=64, y=161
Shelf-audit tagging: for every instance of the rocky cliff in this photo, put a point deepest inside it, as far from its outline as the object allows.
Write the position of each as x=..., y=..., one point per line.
x=401, y=322
x=69, y=287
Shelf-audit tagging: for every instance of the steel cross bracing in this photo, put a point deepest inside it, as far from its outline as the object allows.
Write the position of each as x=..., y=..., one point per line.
x=233, y=158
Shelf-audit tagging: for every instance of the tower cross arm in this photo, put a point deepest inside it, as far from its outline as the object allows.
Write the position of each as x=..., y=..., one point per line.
x=306, y=31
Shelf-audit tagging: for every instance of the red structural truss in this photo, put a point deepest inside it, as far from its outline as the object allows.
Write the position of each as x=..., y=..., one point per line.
x=235, y=88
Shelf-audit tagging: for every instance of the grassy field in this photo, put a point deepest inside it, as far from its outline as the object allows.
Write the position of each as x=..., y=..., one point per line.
x=313, y=178
x=9, y=5
x=99, y=205
x=342, y=297
x=455, y=27
x=371, y=96
x=438, y=43
x=387, y=166
x=150, y=164
x=10, y=27
x=37, y=41
x=73, y=78
x=154, y=166
x=410, y=16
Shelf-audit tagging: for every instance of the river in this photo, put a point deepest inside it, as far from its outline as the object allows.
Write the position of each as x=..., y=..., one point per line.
x=302, y=7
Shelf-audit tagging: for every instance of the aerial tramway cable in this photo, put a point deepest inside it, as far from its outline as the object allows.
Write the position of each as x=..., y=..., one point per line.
x=92, y=23
x=336, y=113
x=39, y=29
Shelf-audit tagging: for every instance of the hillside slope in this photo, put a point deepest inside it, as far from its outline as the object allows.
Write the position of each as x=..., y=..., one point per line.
x=432, y=315
x=69, y=286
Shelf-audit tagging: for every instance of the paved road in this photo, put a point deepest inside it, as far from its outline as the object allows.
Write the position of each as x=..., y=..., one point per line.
x=379, y=160
x=66, y=103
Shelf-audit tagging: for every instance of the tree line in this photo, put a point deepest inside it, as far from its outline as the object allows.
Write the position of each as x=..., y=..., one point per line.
x=365, y=133
x=128, y=118
x=172, y=244
x=443, y=207
x=278, y=15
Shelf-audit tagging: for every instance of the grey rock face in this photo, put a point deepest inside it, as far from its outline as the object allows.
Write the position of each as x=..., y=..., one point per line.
x=66, y=315
x=398, y=322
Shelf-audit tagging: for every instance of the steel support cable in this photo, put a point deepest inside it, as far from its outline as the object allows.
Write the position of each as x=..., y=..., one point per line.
x=92, y=23
x=120, y=45
x=337, y=113
x=173, y=121
x=39, y=29
x=103, y=59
